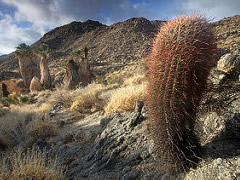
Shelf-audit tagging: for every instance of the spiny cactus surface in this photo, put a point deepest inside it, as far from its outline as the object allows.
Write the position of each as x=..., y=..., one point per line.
x=178, y=66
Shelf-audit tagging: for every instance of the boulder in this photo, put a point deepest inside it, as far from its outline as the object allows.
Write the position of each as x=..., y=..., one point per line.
x=35, y=85
x=230, y=64
x=217, y=77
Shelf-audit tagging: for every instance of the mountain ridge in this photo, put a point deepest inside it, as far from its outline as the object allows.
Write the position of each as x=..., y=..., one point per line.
x=118, y=44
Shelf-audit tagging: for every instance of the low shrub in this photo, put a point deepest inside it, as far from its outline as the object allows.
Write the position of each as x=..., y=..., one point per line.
x=30, y=164
x=124, y=99
x=42, y=130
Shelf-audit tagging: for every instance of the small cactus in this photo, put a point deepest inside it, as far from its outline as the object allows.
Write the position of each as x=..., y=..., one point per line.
x=178, y=66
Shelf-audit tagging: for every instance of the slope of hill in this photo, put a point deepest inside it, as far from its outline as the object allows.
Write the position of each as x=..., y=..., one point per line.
x=120, y=43
x=115, y=46
x=228, y=34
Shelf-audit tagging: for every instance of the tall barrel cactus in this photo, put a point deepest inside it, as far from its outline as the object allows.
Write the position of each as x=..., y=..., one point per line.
x=178, y=66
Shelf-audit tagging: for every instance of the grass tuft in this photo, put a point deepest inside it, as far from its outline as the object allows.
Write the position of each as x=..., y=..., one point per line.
x=124, y=99
x=30, y=164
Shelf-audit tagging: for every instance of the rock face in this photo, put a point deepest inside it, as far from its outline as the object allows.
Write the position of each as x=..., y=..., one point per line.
x=35, y=85
x=121, y=150
x=230, y=64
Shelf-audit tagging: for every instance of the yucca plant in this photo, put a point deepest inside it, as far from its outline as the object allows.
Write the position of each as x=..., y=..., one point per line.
x=77, y=53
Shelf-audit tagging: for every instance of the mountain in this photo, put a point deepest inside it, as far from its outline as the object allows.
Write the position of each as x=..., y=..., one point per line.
x=5, y=56
x=118, y=44
x=115, y=46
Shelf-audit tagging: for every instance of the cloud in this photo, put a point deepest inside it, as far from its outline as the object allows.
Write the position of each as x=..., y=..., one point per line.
x=11, y=35
x=27, y=20
x=213, y=9
x=41, y=16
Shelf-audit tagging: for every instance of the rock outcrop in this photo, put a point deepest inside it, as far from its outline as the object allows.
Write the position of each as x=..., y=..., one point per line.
x=230, y=64
x=35, y=85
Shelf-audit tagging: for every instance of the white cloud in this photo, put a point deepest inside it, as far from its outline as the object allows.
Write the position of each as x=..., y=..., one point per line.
x=45, y=15
x=213, y=9
x=11, y=35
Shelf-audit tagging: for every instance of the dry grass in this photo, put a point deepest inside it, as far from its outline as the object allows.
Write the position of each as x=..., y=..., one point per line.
x=82, y=100
x=88, y=100
x=30, y=164
x=134, y=80
x=47, y=99
x=124, y=99
x=42, y=130
x=13, y=123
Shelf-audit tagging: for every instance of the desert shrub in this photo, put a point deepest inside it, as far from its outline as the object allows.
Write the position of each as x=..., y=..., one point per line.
x=87, y=99
x=178, y=66
x=15, y=99
x=47, y=99
x=124, y=99
x=134, y=80
x=100, y=79
x=30, y=164
x=42, y=130
x=13, y=124
x=114, y=79
x=84, y=100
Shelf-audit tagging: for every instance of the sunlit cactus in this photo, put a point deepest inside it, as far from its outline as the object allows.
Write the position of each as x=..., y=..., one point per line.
x=178, y=66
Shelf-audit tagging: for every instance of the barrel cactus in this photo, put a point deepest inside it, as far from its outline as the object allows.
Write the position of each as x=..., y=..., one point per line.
x=178, y=66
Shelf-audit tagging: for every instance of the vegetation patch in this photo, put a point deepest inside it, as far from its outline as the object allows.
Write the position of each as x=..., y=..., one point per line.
x=124, y=99
x=29, y=164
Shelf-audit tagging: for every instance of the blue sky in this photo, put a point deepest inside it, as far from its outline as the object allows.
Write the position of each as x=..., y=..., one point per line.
x=27, y=20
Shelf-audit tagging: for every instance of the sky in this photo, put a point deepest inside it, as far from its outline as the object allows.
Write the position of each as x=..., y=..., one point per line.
x=26, y=21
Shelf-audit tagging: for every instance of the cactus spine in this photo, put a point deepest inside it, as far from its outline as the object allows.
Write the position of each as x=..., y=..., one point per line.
x=178, y=66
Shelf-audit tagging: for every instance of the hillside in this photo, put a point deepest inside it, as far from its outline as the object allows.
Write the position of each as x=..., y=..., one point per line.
x=113, y=47
x=109, y=46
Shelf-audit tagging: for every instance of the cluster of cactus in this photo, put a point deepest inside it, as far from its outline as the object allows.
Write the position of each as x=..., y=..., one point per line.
x=178, y=66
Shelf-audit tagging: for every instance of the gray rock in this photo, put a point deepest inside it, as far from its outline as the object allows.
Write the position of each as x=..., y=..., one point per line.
x=217, y=77
x=230, y=64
